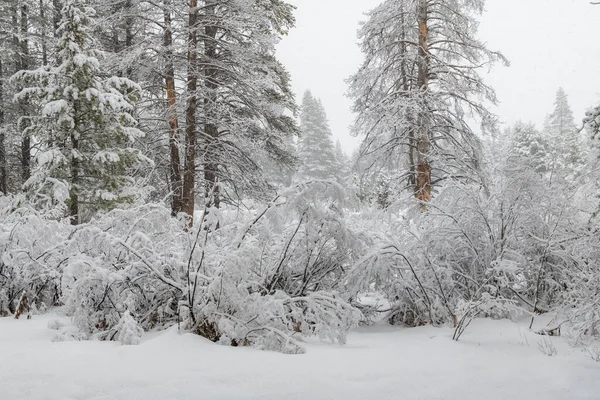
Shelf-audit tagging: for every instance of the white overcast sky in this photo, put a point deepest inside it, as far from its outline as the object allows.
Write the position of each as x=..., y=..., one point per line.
x=550, y=43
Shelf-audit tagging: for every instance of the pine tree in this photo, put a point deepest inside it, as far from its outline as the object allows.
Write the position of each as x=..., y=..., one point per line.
x=342, y=163
x=592, y=122
x=245, y=95
x=85, y=125
x=280, y=174
x=416, y=87
x=566, y=151
x=529, y=145
x=316, y=151
x=24, y=29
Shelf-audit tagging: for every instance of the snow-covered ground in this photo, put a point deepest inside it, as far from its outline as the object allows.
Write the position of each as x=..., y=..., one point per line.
x=493, y=360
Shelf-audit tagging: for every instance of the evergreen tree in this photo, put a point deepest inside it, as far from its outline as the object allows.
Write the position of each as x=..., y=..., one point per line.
x=592, y=122
x=278, y=174
x=342, y=163
x=85, y=126
x=245, y=97
x=316, y=151
x=18, y=51
x=563, y=134
x=416, y=87
x=529, y=145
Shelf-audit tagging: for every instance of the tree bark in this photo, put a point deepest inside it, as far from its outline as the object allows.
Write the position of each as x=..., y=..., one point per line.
x=24, y=124
x=412, y=148
x=175, y=161
x=212, y=193
x=129, y=36
x=74, y=183
x=189, y=173
x=43, y=32
x=423, y=184
x=56, y=17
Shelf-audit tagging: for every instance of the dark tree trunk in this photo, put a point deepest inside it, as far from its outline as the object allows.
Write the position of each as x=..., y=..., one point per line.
x=210, y=140
x=74, y=215
x=57, y=5
x=189, y=173
x=175, y=162
x=24, y=124
x=129, y=36
x=43, y=33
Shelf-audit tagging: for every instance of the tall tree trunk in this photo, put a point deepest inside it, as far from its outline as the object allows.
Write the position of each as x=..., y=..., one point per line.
x=212, y=193
x=412, y=148
x=128, y=35
x=3, y=177
x=74, y=215
x=423, y=144
x=189, y=173
x=23, y=126
x=57, y=5
x=175, y=162
x=43, y=32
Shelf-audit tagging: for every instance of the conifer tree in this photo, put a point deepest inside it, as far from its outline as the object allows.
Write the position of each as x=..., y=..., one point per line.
x=592, y=121
x=566, y=151
x=529, y=145
x=316, y=151
x=85, y=125
x=418, y=84
x=342, y=163
x=244, y=94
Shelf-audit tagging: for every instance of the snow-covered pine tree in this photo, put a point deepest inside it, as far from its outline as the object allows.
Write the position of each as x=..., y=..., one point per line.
x=280, y=175
x=563, y=135
x=85, y=127
x=418, y=85
x=592, y=121
x=528, y=144
x=244, y=93
x=315, y=148
x=24, y=30
x=342, y=163
x=148, y=43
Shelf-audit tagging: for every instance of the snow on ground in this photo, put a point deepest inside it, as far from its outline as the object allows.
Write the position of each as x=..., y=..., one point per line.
x=493, y=360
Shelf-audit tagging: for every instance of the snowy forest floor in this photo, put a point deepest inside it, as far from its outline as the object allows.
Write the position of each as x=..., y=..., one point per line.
x=493, y=360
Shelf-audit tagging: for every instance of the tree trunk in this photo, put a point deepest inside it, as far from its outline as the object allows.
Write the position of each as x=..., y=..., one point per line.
x=129, y=20
x=212, y=193
x=24, y=124
x=189, y=173
x=43, y=33
x=175, y=162
x=56, y=17
x=74, y=184
x=412, y=148
x=423, y=184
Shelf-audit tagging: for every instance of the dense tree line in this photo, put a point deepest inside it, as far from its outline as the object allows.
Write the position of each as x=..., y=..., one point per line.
x=156, y=170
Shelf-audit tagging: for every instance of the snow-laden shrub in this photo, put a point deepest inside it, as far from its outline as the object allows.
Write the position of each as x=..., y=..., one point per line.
x=528, y=242
x=129, y=331
x=260, y=278
x=580, y=309
x=472, y=253
x=276, y=273
x=32, y=257
x=119, y=263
